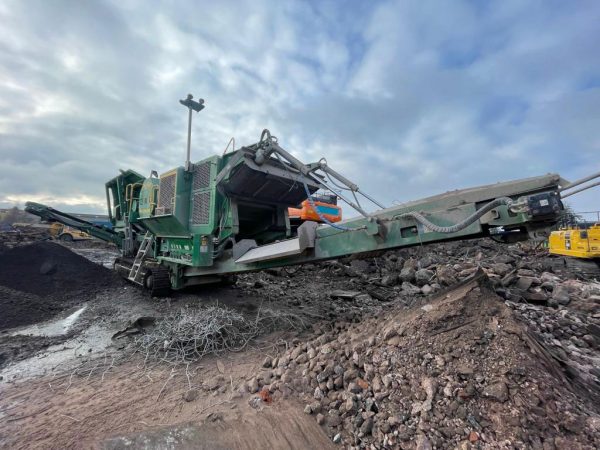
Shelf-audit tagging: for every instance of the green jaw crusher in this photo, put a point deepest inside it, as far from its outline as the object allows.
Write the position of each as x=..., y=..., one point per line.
x=204, y=222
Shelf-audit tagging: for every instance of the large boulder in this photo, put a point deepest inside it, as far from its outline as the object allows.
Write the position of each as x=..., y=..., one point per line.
x=424, y=276
x=410, y=289
x=408, y=274
x=561, y=294
x=446, y=276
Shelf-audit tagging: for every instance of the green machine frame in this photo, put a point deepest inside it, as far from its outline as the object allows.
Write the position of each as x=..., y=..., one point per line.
x=206, y=221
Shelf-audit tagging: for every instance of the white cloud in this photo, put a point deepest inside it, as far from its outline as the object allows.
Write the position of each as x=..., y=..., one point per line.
x=427, y=96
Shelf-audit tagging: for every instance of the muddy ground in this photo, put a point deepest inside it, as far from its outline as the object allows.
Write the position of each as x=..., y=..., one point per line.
x=461, y=345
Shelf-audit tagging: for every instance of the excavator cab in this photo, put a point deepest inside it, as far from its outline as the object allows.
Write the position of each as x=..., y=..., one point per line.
x=576, y=242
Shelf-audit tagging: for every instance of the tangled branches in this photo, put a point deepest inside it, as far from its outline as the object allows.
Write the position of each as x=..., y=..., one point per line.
x=189, y=334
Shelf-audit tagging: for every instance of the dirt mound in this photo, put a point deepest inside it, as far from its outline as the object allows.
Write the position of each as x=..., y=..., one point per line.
x=46, y=268
x=561, y=308
x=459, y=370
x=22, y=308
x=41, y=279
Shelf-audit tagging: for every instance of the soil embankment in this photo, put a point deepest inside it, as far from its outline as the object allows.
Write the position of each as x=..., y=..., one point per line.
x=42, y=279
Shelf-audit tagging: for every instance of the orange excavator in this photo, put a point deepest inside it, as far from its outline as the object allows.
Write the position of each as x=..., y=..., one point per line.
x=318, y=208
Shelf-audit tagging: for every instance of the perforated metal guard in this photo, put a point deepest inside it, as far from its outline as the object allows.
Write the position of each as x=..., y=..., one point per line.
x=166, y=193
x=201, y=208
x=201, y=176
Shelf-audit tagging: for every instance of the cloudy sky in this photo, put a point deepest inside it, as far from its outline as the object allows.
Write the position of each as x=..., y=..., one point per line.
x=407, y=98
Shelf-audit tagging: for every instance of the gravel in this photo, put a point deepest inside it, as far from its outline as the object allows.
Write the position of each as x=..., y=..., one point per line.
x=434, y=360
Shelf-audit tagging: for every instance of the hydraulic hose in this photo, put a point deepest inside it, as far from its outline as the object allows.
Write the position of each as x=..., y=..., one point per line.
x=460, y=225
x=219, y=251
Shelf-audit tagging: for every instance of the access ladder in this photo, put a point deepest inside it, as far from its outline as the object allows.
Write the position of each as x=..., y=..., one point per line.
x=136, y=273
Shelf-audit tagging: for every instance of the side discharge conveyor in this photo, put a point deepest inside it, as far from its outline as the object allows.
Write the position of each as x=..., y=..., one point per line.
x=52, y=215
x=204, y=222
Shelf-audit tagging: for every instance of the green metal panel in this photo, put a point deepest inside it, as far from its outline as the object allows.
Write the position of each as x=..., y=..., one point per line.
x=148, y=197
x=172, y=215
x=165, y=226
x=196, y=251
x=177, y=250
x=204, y=198
x=116, y=188
x=203, y=250
x=182, y=196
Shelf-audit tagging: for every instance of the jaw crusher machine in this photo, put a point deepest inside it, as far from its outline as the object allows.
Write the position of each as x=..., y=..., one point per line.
x=204, y=222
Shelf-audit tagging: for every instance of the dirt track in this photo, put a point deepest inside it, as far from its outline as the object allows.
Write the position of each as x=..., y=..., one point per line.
x=50, y=413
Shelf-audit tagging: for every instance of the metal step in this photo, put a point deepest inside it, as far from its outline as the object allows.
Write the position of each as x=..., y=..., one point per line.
x=268, y=252
x=282, y=249
x=136, y=273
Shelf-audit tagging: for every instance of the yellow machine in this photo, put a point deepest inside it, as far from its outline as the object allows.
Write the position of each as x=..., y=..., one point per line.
x=65, y=233
x=575, y=242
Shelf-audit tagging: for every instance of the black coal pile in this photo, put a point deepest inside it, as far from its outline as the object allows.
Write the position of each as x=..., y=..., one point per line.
x=44, y=278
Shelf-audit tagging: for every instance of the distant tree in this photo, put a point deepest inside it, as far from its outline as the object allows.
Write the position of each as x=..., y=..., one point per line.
x=12, y=215
x=16, y=215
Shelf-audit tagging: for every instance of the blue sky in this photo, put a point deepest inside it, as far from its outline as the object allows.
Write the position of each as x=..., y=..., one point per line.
x=407, y=98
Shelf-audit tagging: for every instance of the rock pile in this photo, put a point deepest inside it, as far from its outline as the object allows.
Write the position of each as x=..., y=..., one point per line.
x=510, y=364
x=406, y=275
x=457, y=371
